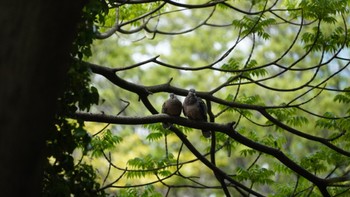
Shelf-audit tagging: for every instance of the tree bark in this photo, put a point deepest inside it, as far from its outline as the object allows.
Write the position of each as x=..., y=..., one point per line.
x=35, y=40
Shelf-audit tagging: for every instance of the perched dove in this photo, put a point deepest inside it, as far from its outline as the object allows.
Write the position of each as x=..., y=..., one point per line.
x=195, y=109
x=172, y=107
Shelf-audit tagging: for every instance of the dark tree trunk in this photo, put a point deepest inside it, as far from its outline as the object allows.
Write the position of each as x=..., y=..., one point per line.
x=35, y=39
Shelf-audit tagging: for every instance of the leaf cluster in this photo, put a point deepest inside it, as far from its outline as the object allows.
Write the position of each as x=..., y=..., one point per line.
x=323, y=9
x=254, y=24
x=146, y=191
x=61, y=176
x=253, y=100
x=248, y=71
x=94, y=12
x=106, y=142
x=344, y=98
x=288, y=115
x=131, y=11
x=78, y=182
x=255, y=174
x=149, y=165
x=318, y=41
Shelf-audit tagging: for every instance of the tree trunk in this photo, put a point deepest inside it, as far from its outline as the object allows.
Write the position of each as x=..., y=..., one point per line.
x=35, y=39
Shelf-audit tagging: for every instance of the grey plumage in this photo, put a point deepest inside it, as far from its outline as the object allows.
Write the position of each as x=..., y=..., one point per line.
x=172, y=107
x=195, y=109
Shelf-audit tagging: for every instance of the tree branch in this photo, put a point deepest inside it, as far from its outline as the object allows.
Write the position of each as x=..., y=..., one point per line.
x=223, y=128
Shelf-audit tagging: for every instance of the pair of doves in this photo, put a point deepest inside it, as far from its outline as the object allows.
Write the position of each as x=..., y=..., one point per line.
x=193, y=107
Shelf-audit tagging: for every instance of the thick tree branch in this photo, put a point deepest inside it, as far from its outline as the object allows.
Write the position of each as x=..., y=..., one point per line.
x=304, y=135
x=223, y=128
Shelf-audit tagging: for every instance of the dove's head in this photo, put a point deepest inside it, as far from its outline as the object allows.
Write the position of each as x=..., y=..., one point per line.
x=191, y=92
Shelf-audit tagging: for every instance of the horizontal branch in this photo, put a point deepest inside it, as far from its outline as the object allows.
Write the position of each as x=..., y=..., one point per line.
x=304, y=135
x=127, y=120
x=223, y=128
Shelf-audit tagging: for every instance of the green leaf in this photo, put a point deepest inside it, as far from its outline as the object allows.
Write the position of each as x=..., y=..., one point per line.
x=255, y=174
x=273, y=140
x=231, y=65
x=108, y=141
x=164, y=173
x=154, y=136
x=147, y=162
x=254, y=24
x=327, y=123
x=341, y=98
x=289, y=116
x=247, y=152
x=323, y=9
x=298, y=121
x=314, y=162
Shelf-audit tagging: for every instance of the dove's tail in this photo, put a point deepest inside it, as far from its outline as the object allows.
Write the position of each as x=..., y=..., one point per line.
x=166, y=125
x=206, y=133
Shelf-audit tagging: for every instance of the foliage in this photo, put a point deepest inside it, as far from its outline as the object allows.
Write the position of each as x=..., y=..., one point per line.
x=255, y=174
x=149, y=165
x=147, y=191
x=63, y=176
x=255, y=24
x=104, y=143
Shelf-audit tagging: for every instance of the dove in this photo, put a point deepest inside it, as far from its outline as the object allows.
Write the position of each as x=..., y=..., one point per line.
x=195, y=109
x=172, y=107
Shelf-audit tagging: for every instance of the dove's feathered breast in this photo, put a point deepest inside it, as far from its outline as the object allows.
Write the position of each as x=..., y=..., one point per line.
x=172, y=107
